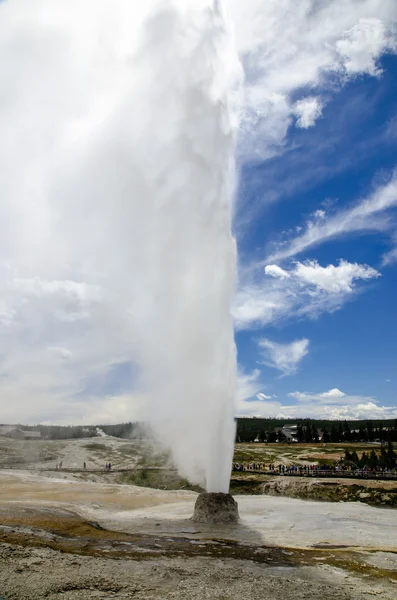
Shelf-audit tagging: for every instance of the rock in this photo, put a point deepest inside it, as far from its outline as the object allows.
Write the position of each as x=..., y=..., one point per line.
x=215, y=509
x=364, y=495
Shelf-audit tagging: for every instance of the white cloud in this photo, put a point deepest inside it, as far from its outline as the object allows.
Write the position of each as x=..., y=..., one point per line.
x=333, y=279
x=284, y=357
x=362, y=45
x=333, y=404
x=275, y=271
x=307, y=111
x=365, y=410
x=388, y=380
x=318, y=214
x=307, y=290
x=288, y=46
x=255, y=408
x=332, y=397
x=248, y=384
x=366, y=215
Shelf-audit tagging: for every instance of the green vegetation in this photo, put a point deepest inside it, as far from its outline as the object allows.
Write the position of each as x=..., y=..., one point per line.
x=248, y=430
x=310, y=430
x=386, y=459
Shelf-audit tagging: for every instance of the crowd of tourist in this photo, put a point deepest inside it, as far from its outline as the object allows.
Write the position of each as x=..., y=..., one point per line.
x=311, y=469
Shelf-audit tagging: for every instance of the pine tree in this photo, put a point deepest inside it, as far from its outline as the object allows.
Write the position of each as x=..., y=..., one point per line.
x=382, y=461
x=299, y=433
x=346, y=432
x=373, y=459
x=363, y=461
x=362, y=434
x=307, y=434
x=334, y=433
x=391, y=456
x=271, y=437
x=348, y=456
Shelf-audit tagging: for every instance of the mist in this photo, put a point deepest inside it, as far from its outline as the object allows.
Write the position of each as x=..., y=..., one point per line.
x=118, y=135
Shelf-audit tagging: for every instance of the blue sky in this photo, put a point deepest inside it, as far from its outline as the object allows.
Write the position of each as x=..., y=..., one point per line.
x=347, y=324
x=90, y=149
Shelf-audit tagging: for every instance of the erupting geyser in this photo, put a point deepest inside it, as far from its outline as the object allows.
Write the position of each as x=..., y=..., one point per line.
x=215, y=509
x=119, y=136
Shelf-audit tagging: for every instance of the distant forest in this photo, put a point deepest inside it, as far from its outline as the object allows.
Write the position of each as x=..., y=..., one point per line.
x=312, y=430
x=247, y=430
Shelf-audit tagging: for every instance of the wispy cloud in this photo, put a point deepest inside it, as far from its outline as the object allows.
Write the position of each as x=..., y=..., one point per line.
x=366, y=215
x=284, y=357
x=390, y=256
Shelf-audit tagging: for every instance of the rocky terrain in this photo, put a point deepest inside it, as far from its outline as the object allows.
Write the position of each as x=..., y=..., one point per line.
x=61, y=538
x=79, y=534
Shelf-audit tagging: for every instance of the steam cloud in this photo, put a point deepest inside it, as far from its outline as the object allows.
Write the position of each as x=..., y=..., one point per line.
x=118, y=132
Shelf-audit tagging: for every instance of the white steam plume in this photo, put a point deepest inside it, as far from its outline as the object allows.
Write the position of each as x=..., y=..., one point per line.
x=118, y=124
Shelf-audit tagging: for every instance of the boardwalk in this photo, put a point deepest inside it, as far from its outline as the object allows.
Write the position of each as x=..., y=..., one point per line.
x=326, y=474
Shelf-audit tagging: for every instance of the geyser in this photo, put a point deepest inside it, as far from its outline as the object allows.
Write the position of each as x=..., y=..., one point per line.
x=118, y=133
x=187, y=351
x=215, y=509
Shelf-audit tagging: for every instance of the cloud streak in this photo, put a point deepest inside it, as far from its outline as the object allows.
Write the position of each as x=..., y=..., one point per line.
x=363, y=216
x=284, y=357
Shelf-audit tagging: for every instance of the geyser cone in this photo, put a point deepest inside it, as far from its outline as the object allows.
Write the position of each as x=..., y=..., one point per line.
x=216, y=509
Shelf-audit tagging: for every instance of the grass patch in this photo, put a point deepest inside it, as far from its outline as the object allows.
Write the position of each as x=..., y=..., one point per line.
x=296, y=453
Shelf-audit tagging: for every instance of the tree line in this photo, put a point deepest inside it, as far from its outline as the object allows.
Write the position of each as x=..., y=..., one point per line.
x=312, y=430
x=386, y=459
x=247, y=430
